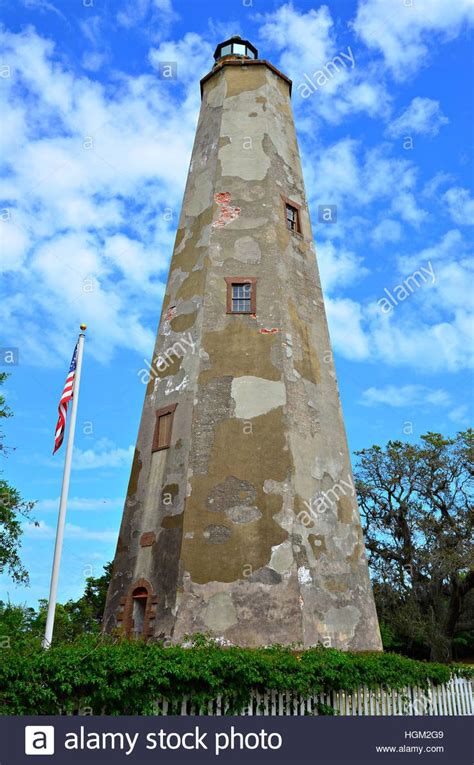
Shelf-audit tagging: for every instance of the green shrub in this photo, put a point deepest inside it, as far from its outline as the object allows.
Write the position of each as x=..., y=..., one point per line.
x=113, y=677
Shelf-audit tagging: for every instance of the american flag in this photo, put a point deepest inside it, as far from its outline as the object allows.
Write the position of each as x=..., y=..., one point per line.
x=66, y=396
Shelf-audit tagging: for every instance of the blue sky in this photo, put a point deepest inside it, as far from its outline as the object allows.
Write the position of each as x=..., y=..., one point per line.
x=95, y=150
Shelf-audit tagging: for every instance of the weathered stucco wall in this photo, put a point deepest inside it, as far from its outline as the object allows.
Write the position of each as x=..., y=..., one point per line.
x=262, y=540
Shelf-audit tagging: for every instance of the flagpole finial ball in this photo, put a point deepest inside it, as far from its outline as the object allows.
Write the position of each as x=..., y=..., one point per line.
x=83, y=327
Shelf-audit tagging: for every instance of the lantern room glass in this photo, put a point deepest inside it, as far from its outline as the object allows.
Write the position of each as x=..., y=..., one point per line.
x=236, y=48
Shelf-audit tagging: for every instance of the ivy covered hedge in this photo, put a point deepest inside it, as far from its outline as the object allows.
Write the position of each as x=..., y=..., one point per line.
x=125, y=677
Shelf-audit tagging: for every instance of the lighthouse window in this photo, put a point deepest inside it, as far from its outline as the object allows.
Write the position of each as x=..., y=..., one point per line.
x=163, y=427
x=237, y=48
x=241, y=295
x=292, y=218
x=241, y=298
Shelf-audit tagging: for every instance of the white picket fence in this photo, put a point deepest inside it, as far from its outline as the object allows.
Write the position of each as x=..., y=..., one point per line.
x=453, y=698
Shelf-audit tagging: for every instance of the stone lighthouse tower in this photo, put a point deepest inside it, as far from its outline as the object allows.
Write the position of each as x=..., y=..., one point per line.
x=241, y=518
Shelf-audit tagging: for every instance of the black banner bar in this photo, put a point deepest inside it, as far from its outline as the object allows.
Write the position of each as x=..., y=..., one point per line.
x=189, y=740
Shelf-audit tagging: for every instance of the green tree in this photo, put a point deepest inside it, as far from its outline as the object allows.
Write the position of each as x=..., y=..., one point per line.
x=13, y=511
x=86, y=613
x=77, y=617
x=16, y=623
x=417, y=512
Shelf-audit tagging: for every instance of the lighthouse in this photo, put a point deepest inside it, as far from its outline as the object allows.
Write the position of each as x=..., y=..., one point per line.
x=241, y=515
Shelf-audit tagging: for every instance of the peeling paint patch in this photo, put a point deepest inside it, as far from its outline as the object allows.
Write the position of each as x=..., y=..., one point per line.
x=169, y=315
x=217, y=535
x=318, y=545
x=171, y=387
x=228, y=213
x=265, y=576
x=282, y=557
x=304, y=575
x=183, y=322
x=274, y=487
x=231, y=493
x=220, y=613
x=254, y=396
x=247, y=249
x=243, y=514
x=342, y=622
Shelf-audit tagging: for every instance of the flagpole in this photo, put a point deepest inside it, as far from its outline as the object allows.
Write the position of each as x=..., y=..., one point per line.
x=48, y=635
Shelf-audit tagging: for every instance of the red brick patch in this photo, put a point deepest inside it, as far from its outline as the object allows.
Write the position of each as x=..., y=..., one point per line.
x=228, y=213
x=147, y=539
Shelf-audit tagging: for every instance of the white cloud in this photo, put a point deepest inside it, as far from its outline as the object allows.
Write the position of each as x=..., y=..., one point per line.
x=346, y=175
x=154, y=16
x=14, y=244
x=430, y=330
x=92, y=27
x=338, y=267
x=71, y=531
x=363, y=93
x=345, y=327
x=400, y=340
x=405, y=33
x=191, y=54
x=336, y=171
x=91, y=169
x=82, y=504
x=405, y=204
x=93, y=61
x=405, y=395
x=449, y=246
x=454, y=286
x=105, y=455
x=94, y=176
x=386, y=231
x=460, y=415
x=431, y=188
x=43, y=6
x=423, y=115
x=435, y=332
x=307, y=42
x=94, y=58
x=460, y=205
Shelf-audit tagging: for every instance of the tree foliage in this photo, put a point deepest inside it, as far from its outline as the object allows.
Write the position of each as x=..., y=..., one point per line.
x=107, y=676
x=13, y=512
x=417, y=511
x=73, y=619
